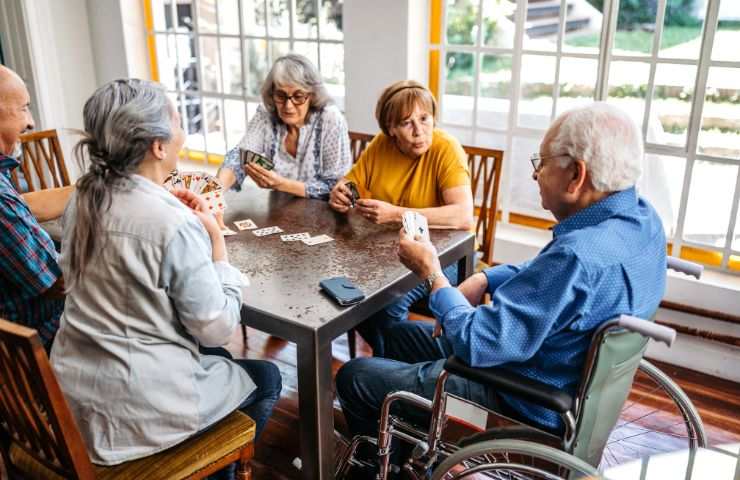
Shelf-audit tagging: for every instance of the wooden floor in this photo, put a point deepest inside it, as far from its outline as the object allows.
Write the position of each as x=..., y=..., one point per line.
x=718, y=401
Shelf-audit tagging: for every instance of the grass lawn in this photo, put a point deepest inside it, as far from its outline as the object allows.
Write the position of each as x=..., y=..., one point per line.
x=638, y=40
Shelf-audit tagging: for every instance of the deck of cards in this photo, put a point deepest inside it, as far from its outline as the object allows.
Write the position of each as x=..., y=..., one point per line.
x=414, y=223
x=201, y=183
x=248, y=156
x=354, y=193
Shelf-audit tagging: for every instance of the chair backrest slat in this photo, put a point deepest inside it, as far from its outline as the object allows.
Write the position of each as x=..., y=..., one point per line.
x=34, y=414
x=42, y=163
x=357, y=143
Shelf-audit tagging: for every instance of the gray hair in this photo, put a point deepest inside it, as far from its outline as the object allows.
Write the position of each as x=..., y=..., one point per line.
x=606, y=139
x=122, y=119
x=297, y=70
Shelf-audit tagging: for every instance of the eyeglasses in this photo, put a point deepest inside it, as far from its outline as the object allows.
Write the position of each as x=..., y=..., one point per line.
x=298, y=98
x=536, y=159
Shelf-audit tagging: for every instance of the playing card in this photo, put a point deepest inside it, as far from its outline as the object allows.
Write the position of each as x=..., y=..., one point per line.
x=215, y=201
x=210, y=184
x=248, y=156
x=354, y=193
x=294, y=237
x=247, y=224
x=267, y=231
x=227, y=232
x=245, y=279
x=414, y=223
x=317, y=240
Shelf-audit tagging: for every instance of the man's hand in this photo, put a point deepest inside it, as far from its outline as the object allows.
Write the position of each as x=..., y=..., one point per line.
x=474, y=287
x=378, y=211
x=339, y=199
x=263, y=177
x=418, y=256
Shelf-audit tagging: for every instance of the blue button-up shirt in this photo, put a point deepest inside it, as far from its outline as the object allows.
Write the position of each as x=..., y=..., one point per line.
x=606, y=260
x=28, y=262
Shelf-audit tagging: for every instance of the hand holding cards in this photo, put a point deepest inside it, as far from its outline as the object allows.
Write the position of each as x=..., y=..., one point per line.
x=414, y=223
x=354, y=193
x=202, y=184
x=250, y=157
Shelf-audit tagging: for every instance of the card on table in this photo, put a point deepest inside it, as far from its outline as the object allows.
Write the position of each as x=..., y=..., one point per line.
x=227, y=232
x=294, y=237
x=267, y=231
x=317, y=240
x=247, y=224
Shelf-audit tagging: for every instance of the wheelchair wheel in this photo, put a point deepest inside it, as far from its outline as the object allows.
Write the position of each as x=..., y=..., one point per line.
x=657, y=417
x=511, y=459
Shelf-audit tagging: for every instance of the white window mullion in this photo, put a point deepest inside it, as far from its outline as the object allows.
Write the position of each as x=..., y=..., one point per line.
x=559, y=56
x=608, y=30
x=731, y=227
x=702, y=72
x=268, y=46
x=477, y=63
x=659, y=20
x=201, y=78
x=520, y=16
x=442, y=71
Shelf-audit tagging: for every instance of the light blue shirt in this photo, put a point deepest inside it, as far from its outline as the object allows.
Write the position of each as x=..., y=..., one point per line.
x=606, y=260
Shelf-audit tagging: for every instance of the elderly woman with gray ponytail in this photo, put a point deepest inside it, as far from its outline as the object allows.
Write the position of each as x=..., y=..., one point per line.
x=149, y=284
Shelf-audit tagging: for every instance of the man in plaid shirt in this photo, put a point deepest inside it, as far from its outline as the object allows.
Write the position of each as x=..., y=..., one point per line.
x=31, y=284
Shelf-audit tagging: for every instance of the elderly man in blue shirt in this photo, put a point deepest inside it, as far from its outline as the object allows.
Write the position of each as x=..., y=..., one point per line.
x=31, y=284
x=607, y=257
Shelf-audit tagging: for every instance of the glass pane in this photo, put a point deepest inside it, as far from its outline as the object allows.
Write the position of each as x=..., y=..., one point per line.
x=463, y=135
x=710, y=202
x=661, y=183
x=278, y=49
x=682, y=30
x=253, y=12
x=193, y=123
x=525, y=193
x=256, y=51
x=187, y=61
x=727, y=35
x=583, y=28
x=228, y=17
x=462, y=22
x=210, y=64
x=207, y=21
x=309, y=50
x=495, y=91
x=166, y=60
x=458, y=94
x=671, y=105
x=305, y=21
x=215, y=125
x=251, y=110
x=279, y=14
x=332, y=63
x=538, y=77
x=231, y=56
x=628, y=88
x=184, y=13
x=331, y=19
x=577, y=82
x=541, y=27
x=635, y=28
x=162, y=14
x=498, y=29
x=235, y=118
x=720, y=126
x=497, y=141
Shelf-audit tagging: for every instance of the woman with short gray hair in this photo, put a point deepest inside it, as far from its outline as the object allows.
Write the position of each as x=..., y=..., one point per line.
x=149, y=285
x=299, y=130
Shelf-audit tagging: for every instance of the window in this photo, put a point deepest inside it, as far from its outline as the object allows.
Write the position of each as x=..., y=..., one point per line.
x=503, y=70
x=213, y=55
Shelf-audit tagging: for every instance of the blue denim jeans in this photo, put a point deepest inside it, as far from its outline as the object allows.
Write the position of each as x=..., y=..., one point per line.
x=413, y=361
x=372, y=330
x=258, y=405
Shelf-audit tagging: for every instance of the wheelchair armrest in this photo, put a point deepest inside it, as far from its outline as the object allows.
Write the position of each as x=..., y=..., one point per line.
x=507, y=382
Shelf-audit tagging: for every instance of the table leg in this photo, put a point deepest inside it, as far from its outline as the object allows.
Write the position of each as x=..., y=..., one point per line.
x=465, y=267
x=316, y=410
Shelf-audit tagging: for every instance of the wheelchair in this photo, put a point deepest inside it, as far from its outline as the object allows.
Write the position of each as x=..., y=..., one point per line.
x=602, y=426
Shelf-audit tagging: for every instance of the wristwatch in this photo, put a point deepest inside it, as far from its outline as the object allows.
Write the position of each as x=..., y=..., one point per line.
x=429, y=281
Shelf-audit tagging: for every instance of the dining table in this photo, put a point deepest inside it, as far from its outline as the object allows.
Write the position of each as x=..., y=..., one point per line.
x=284, y=298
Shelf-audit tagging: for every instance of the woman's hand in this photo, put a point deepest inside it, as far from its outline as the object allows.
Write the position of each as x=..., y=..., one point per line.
x=199, y=207
x=339, y=199
x=378, y=211
x=263, y=177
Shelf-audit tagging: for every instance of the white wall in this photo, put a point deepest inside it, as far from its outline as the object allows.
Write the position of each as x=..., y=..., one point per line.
x=384, y=41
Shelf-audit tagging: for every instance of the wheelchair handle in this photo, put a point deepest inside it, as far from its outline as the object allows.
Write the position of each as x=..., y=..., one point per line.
x=685, y=267
x=659, y=333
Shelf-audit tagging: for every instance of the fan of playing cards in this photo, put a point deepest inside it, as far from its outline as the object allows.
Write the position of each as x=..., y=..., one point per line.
x=200, y=183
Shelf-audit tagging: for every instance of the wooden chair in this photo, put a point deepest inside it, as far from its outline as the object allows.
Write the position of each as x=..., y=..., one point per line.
x=485, y=174
x=42, y=163
x=40, y=439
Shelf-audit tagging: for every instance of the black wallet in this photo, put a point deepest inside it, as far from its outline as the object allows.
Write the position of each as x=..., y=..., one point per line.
x=342, y=290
